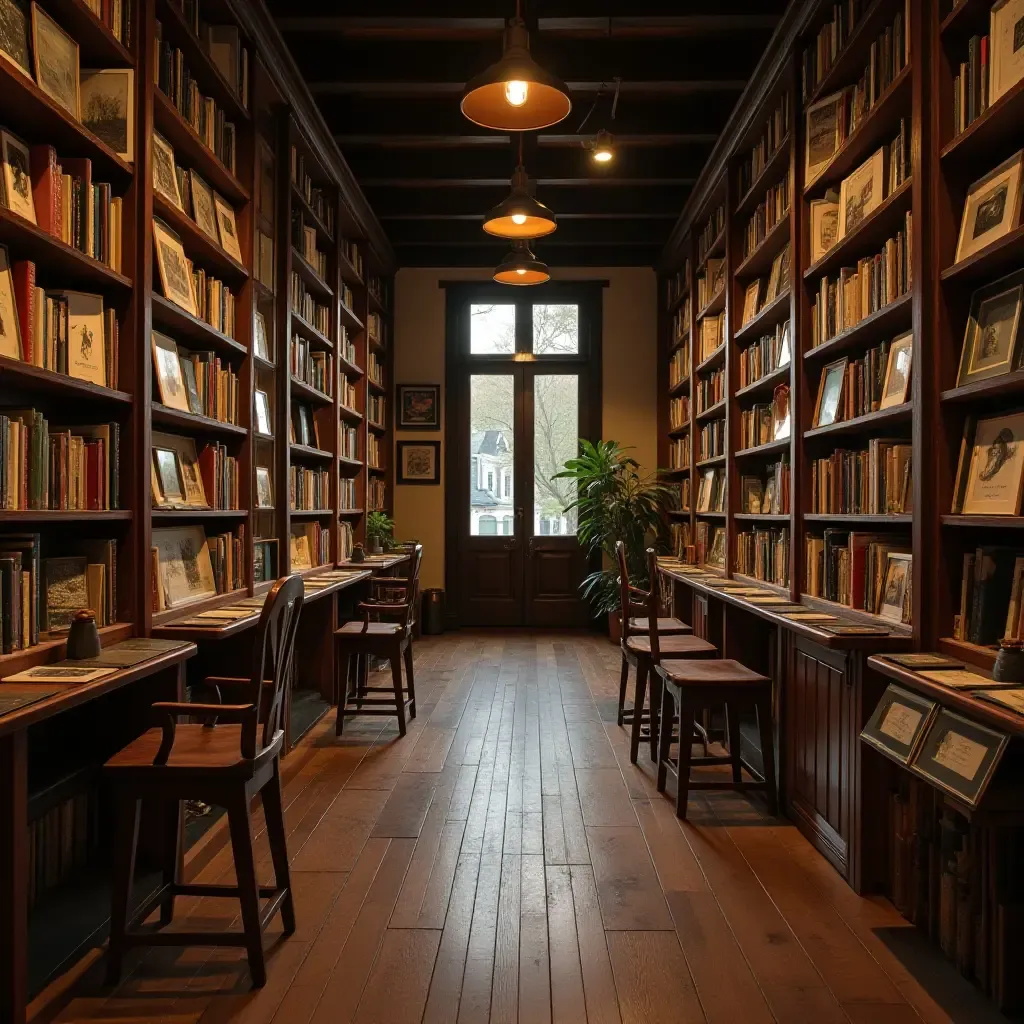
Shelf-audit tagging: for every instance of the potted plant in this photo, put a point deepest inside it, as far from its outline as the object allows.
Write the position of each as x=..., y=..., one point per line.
x=380, y=530
x=613, y=502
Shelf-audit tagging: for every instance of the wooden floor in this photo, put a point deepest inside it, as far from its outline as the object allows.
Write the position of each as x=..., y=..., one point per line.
x=505, y=862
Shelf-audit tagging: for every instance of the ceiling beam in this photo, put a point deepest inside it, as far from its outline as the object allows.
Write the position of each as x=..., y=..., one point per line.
x=497, y=141
x=565, y=256
x=574, y=232
x=441, y=183
x=449, y=90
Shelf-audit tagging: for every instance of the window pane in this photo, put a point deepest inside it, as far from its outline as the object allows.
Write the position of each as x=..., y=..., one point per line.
x=556, y=330
x=556, y=426
x=492, y=330
x=491, y=424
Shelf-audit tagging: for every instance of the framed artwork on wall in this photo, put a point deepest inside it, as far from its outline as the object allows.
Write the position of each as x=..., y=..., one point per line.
x=419, y=462
x=419, y=406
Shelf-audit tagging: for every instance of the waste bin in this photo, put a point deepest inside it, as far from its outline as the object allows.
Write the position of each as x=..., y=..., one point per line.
x=432, y=621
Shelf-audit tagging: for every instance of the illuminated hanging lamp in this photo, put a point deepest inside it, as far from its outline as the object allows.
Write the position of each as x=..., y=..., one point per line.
x=516, y=94
x=520, y=267
x=603, y=149
x=519, y=215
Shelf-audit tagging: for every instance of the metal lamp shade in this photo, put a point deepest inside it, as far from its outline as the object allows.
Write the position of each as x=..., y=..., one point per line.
x=520, y=267
x=534, y=219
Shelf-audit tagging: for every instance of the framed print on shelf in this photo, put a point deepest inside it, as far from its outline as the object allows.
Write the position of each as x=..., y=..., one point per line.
x=188, y=374
x=264, y=423
x=419, y=462
x=17, y=183
x=992, y=207
x=990, y=474
x=992, y=339
x=108, y=108
x=861, y=193
x=899, y=723
x=175, y=276
x=419, y=406
x=1006, y=47
x=184, y=448
x=56, y=60
x=822, y=135
x=264, y=488
x=86, y=344
x=260, y=343
x=227, y=228
x=165, y=177
x=830, y=393
x=895, y=593
x=824, y=226
x=169, y=381
x=300, y=547
x=14, y=34
x=183, y=562
x=10, y=331
x=781, y=420
x=203, y=212
x=170, y=489
x=897, y=372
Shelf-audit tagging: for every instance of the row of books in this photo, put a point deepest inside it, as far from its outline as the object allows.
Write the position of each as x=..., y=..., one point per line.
x=680, y=538
x=347, y=296
x=210, y=211
x=217, y=387
x=863, y=386
x=347, y=497
x=710, y=390
x=304, y=240
x=711, y=440
x=376, y=409
x=775, y=131
x=679, y=453
x=711, y=492
x=764, y=554
x=61, y=841
x=681, y=320
x=188, y=566
x=310, y=545
x=677, y=495
x=347, y=347
x=348, y=442
x=374, y=452
x=710, y=545
x=61, y=468
x=173, y=77
x=990, y=596
x=874, y=482
x=218, y=475
x=118, y=16
x=711, y=230
x=354, y=254
x=711, y=335
x=842, y=302
x=349, y=395
x=773, y=208
x=312, y=366
x=314, y=312
x=346, y=542
x=821, y=53
x=215, y=301
x=711, y=282
x=222, y=43
x=756, y=426
x=377, y=286
x=678, y=283
x=376, y=328
x=374, y=369
x=58, y=195
x=769, y=353
x=759, y=293
x=972, y=85
x=770, y=496
x=317, y=199
x=679, y=364
x=376, y=494
x=678, y=412
x=309, y=489
x=68, y=332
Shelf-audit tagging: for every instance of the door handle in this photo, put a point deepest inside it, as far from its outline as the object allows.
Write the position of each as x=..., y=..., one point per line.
x=529, y=546
x=510, y=545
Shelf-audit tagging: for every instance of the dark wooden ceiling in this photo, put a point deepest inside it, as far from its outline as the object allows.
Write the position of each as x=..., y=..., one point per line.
x=388, y=75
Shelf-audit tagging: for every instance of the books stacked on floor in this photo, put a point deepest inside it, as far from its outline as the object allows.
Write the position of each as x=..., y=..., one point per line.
x=679, y=364
x=61, y=841
x=347, y=493
x=43, y=466
x=351, y=251
x=309, y=489
x=318, y=200
x=375, y=369
x=678, y=412
x=678, y=283
x=174, y=79
x=711, y=332
x=769, y=353
x=348, y=442
x=221, y=43
x=376, y=409
x=308, y=307
x=679, y=454
x=711, y=493
x=304, y=240
x=768, y=496
x=373, y=452
x=188, y=566
x=710, y=390
x=680, y=537
x=349, y=395
x=68, y=332
x=710, y=545
x=681, y=320
x=346, y=541
x=773, y=208
x=764, y=554
x=310, y=545
x=775, y=131
x=711, y=282
x=991, y=602
x=711, y=440
x=872, y=482
x=376, y=494
x=59, y=196
x=214, y=300
x=709, y=233
x=312, y=366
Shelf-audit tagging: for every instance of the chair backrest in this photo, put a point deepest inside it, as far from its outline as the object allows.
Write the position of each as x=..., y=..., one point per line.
x=413, y=586
x=627, y=602
x=653, y=606
x=273, y=654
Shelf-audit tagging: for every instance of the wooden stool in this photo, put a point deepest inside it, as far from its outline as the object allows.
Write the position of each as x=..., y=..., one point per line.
x=689, y=686
x=222, y=764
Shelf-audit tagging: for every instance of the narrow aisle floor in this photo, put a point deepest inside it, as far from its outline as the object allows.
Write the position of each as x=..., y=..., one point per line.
x=505, y=862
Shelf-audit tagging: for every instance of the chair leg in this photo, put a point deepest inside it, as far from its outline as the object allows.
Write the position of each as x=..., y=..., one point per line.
x=273, y=811
x=764, y=727
x=248, y=892
x=685, y=753
x=171, y=856
x=342, y=684
x=668, y=713
x=655, y=687
x=623, y=684
x=396, y=679
x=638, y=705
x=732, y=721
x=410, y=680
x=125, y=842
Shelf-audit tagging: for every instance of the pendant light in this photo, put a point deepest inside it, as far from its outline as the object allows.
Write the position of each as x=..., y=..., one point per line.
x=519, y=215
x=516, y=94
x=520, y=266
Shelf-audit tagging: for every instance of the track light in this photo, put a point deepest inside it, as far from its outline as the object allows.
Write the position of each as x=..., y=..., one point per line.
x=520, y=267
x=603, y=151
x=519, y=215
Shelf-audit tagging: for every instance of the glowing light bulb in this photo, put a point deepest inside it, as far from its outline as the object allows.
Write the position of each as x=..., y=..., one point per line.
x=518, y=218
x=516, y=92
x=520, y=271
x=603, y=156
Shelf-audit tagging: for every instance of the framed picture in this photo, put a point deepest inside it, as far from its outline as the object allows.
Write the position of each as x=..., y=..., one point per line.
x=992, y=339
x=86, y=343
x=824, y=226
x=56, y=59
x=990, y=476
x=108, y=108
x=183, y=562
x=10, y=331
x=992, y=207
x=419, y=462
x=897, y=372
x=167, y=366
x=895, y=592
x=165, y=175
x=17, y=191
x=1006, y=38
x=861, y=193
x=300, y=547
x=751, y=300
x=830, y=393
x=259, y=335
x=264, y=561
x=419, y=406
x=175, y=276
x=188, y=374
x=203, y=212
x=227, y=228
x=822, y=135
x=780, y=413
x=170, y=489
x=14, y=34
x=264, y=488
x=264, y=422
x=959, y=756
x=184, y=448
x=751, y=491
x=899, y=723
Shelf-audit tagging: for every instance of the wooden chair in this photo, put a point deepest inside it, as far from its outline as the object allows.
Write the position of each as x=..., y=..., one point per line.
x=225, y=761
x=635, y=626
x=378, y=637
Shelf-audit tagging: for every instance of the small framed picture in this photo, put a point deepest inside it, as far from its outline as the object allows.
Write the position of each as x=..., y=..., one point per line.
x=990, y=475
x=824, y=226
x=419, y=462
x=1006, y=35
x=169, y=381
x=264, y=561
x=56, y=59
x=175, y=275
x=419, y=406
x=264, y=422
x=861, y=193
x=228, y=230
x=897, y=373
x=108, y=108
x=830, y=393
x=17, y=190
x=992, y=340
x=259, y=335
x=992, y=207
x=751, y=301
x=191, y=476
x=10, y=331
x=751, y=491
x=203, y=212
x=188, y=375
x=14, y=35
x=781, y=421
x=300, y=547
x=168, y=476
x=899, y=723
x=165, y=174
x=264, y=488
x=894, y=596
x=823, y=119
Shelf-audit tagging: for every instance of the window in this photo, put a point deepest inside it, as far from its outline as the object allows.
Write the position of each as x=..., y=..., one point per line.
x=490, y=482
x=508, y=485
x=556, y=330
x=506, y=526
x=492, y=329
x=488, y=526
x=556, y=417
x=492, y=446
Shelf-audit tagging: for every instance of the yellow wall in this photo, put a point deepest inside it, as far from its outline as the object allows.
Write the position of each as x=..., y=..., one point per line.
x=629, y=399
